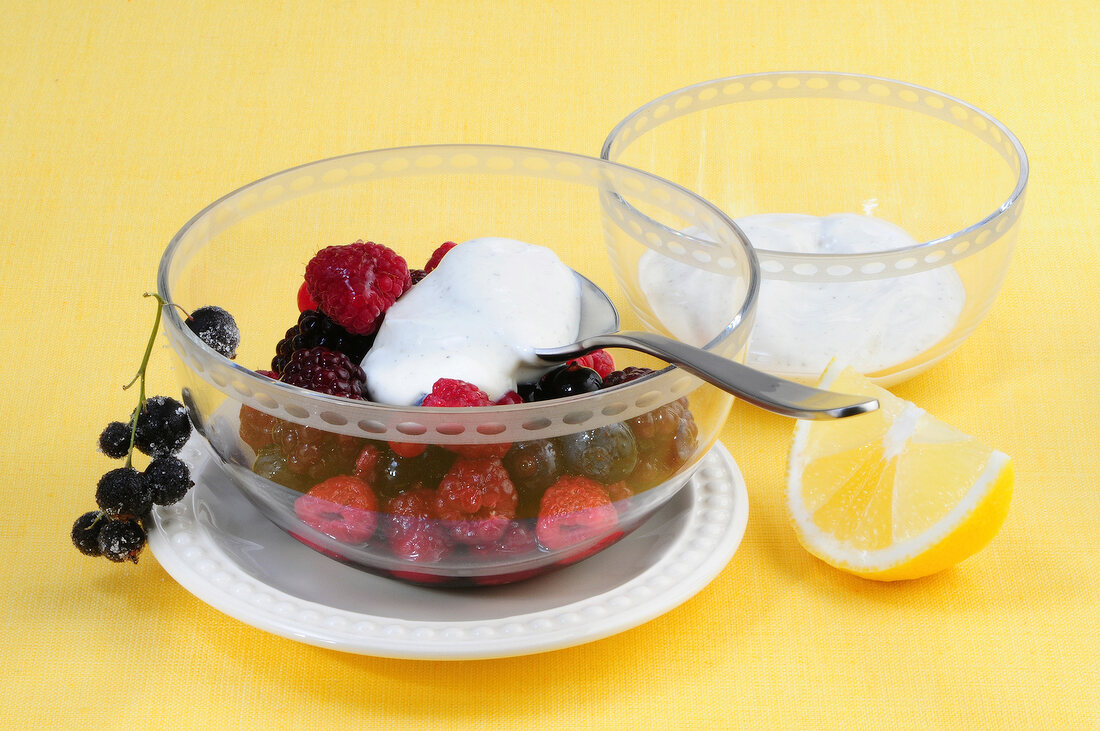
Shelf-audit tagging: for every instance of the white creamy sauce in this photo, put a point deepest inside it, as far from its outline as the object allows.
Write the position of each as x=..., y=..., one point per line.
x=801, y=326
x=478, y=318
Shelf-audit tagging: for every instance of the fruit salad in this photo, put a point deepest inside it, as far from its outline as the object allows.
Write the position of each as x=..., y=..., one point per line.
x=360, y=305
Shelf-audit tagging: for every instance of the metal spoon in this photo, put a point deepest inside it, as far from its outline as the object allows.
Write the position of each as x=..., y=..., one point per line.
x=599, y=329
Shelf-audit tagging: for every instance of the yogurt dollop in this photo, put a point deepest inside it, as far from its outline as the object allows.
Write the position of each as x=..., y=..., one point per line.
x=801, y=326
x=477, y=317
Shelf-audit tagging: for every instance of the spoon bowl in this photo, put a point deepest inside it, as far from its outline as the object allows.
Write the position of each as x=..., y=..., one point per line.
x=599, y=328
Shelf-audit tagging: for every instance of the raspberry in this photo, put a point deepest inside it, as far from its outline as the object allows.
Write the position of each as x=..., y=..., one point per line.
x=598, y=360
x=437, y=255
x=85, y=532
x=316, y=328
x=325, y=371
x=122, y=493
x=367, y=461
x=508, y=399
x=114, y=441
x=477, y=500
x=305, y=302
x=573, y=510
x=452, y=392
x=271, y=464
x=216, y=328
x=163, y=426
x=618, y=492
x=407, y=449
x=626, y=375
x=343, y=507
x=449, y=392
x=518, y=539
x=356, y=283
x=415, y=534
x=667, y=437
x=121, y=540
x=168, y=479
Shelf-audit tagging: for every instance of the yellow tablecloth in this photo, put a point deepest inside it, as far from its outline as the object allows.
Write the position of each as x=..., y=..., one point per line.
x=119, y=120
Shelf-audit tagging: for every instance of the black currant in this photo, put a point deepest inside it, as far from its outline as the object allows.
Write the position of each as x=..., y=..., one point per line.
x=121, y=540
x=114, y=441
x=122, y=492
x=86, y=532
x=216, y=328
x=163, y=426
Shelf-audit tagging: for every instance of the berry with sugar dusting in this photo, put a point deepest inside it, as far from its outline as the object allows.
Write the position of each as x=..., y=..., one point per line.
x=316, y=328
x=476, y=500
x=163, y=426
x=573, y=510
x=168, y=479
x=123, y=493
x=343, y=507
x=356, y=283
x=437, y=256
x=121, y=540
x=216, y=328
x=325, y=371
x=85, y=532
x=114, y=440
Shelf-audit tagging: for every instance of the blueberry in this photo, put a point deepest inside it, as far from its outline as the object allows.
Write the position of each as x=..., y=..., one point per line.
x=607, y=454
x=567, y=380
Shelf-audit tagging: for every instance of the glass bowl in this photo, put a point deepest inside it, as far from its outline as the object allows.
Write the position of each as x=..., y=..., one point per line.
x=640, y=440
x=915, y=195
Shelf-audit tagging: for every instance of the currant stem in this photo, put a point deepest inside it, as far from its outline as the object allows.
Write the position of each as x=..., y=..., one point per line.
x=139, y=378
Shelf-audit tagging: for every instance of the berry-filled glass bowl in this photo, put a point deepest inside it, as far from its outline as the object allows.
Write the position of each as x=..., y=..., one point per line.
x=884, y=214
x=383, y=437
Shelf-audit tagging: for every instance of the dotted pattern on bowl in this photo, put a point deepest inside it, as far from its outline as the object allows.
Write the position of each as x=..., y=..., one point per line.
x=779, y=85
x=715, y=527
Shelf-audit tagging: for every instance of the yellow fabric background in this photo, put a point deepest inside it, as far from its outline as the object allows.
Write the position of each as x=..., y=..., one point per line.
x=119, y=120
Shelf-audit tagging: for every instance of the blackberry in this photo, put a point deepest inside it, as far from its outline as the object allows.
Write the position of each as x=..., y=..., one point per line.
x=168, y=479
x=216, y=328
x=85, y=532
x=163, y=426
x=121, y=540
x=122, y=492
x=606, y=454
x=416, y=275
x=315, y=328
x=570, y=379
x=314, y=453
x=325, y=371
x=114, y=441
x=626, y=375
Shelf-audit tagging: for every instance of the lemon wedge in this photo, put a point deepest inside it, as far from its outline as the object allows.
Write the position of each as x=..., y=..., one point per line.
x=894, y=493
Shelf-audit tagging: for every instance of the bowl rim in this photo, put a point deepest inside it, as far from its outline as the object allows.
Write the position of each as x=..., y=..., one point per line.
x=1010, y=203
x=177, y=331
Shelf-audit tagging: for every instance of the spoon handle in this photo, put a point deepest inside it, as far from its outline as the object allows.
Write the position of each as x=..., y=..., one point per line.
x=761, y=389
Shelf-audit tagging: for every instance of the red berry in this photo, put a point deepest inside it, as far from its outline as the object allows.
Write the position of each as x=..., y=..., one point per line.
x=366, y=462
x=518, y=539
x=509, y=398
x=452, y=392
x=407, y=449
x=438, y=255
x=415, y=533
x=573, y=510
x=355, y=284
x=598, y=360
x=343, y=507
x=477, y=500
x=305, y=302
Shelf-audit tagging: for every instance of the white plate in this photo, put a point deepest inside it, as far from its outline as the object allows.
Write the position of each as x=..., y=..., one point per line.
x=222, y=550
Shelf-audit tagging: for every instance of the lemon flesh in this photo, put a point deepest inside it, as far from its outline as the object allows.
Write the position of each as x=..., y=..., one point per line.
x=894, y=493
